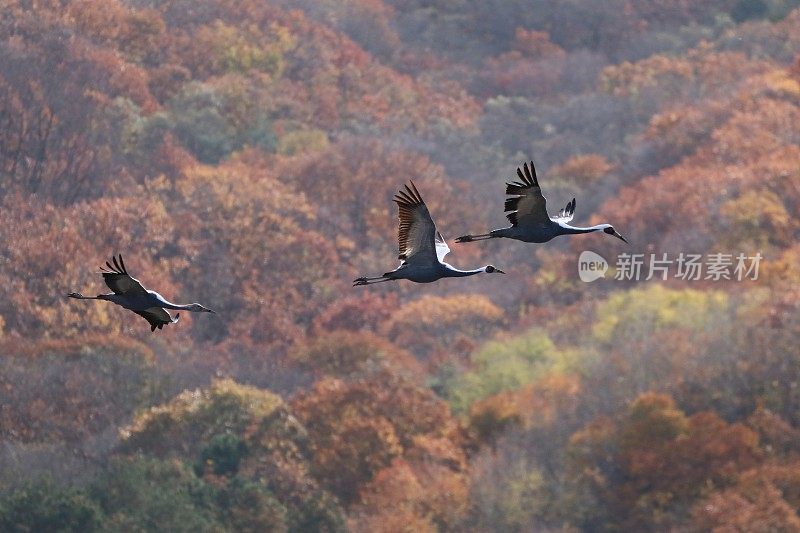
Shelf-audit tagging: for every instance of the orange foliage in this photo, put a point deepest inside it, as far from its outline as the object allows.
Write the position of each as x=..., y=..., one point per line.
x=359, y=427
x=71, y=390
x=750, y=151
x=432, y=323
x=345, y=354
x=244, y=154
x=586, y=168
x=534, y=66
x=411, y=497
x=755, y=504
x=365, y=311
x=656, y=459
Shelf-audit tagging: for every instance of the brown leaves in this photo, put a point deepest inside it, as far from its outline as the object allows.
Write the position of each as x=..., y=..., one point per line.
x=655, y=459
x=358, y=427
x=67, y=391
x=442, y=326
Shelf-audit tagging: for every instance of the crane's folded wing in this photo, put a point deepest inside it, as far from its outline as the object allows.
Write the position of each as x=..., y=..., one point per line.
x=157, y=317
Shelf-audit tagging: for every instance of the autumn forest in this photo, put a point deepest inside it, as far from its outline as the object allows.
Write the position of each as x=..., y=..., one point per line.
x=244, y=154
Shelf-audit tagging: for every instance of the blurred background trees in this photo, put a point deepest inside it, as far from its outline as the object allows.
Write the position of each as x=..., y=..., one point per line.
x=245, y=153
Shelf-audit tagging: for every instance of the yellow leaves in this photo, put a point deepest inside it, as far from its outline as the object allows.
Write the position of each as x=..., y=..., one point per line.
x=782, y=84
x=303, y=140
x=226, y=404
x=645, y=311
x=784, y=270
x=628, y=79
x=240, y=49
x=757, y=219
x=511, y=364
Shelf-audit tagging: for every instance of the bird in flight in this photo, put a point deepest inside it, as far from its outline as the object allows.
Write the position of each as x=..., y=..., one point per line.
x=422, y=247
x=526, y=209
x=130, y=294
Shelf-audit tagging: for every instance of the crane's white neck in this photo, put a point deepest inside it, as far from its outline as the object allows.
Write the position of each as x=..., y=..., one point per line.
x=574, y=230
x=453, y=272
x=166, y=304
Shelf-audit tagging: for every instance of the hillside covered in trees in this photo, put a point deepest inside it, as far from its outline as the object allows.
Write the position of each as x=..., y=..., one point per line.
x=244, y=154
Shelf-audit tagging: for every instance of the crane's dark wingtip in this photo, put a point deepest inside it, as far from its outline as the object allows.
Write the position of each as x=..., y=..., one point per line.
x=416, y=191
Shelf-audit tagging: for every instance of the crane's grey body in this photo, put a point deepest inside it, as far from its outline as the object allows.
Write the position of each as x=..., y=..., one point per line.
x=542, y=232
x=422, y=247
x=142, y=302
x=130, y=294
x=429, y=273
x=526, y=209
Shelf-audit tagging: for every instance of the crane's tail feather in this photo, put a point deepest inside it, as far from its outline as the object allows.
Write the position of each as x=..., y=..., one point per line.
x=160, y=325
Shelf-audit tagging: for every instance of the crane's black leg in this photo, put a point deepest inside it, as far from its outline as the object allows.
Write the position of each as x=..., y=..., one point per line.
x=370, y=281
x=368, y=278
x=79, y=296
x=470, y=238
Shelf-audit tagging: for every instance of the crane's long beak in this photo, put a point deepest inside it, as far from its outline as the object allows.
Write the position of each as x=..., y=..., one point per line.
x=499, y=271
x=617, y=235
x=212, y=311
